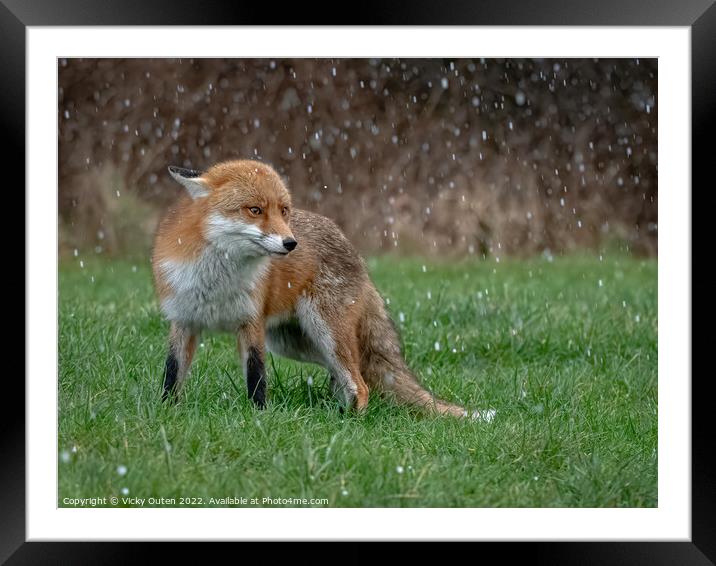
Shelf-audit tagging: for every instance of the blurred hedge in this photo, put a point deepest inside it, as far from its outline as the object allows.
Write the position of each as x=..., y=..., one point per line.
x=439, y=156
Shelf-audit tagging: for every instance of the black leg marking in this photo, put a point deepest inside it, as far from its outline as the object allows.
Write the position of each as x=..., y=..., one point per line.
x=256, y=377
x=171, y=369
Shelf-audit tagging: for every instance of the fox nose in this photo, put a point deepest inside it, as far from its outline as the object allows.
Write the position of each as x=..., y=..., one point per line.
x=290, y=244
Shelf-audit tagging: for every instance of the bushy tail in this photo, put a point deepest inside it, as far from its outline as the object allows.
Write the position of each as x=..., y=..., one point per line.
x=383, y=366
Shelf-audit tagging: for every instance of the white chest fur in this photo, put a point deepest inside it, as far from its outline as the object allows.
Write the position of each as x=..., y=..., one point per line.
x=214, y=292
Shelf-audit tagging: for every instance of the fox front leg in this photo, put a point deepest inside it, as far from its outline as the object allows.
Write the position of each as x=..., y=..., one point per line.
x=182, y=344
x=251, y=346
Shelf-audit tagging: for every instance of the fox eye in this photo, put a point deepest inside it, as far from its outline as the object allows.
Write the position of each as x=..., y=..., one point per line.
x=255, y=210
x=284, y=211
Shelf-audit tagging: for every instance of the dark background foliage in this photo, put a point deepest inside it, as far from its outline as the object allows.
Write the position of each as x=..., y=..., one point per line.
x=485, y=157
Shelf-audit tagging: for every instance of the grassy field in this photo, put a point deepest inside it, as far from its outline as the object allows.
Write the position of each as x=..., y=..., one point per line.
x=564, y=351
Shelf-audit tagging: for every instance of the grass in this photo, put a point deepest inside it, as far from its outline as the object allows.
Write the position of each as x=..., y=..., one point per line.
x=565, y=351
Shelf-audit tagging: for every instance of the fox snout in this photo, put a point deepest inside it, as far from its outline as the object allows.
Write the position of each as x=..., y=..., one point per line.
x=290, y=244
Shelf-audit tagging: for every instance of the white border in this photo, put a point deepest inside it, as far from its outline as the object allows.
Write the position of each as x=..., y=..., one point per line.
x=670, y=521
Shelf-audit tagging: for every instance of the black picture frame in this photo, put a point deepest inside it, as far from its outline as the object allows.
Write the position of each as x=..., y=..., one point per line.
x=699, y=15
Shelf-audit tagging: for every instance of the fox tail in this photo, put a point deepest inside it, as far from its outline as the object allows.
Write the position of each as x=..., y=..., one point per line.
x=383, y=366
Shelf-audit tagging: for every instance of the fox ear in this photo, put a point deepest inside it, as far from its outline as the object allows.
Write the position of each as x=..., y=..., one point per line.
x=192, y=181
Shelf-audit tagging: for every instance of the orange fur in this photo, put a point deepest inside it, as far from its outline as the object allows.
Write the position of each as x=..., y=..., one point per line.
x=285, y=282
x=243, y=208
x=233, y=186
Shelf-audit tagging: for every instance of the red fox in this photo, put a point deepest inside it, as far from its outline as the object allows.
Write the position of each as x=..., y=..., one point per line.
x=233, y=255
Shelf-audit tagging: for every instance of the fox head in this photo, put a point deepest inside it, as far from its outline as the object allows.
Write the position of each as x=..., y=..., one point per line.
x=244, y=205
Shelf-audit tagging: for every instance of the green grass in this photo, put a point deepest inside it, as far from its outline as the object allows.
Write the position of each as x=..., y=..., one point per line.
x=565, y=351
